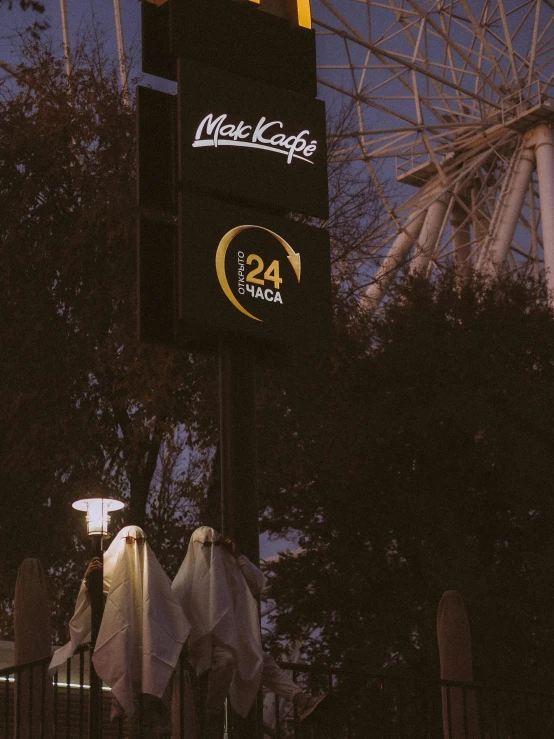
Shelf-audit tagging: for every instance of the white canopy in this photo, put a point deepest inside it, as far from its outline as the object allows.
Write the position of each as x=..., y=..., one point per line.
x=79, y=631
x=218, y=603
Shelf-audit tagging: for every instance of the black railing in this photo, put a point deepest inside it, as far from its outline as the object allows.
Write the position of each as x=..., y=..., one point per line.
x=362, y=705
x=35, y=705
x=359, y=705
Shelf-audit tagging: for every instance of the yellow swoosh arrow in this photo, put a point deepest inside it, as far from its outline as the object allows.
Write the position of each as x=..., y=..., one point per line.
x=220, y=268
x=293, y=257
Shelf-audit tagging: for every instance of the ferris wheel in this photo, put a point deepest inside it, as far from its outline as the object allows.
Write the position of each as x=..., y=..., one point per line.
x=454, y=99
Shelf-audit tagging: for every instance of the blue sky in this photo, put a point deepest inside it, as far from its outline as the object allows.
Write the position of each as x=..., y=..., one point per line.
x=81, y=14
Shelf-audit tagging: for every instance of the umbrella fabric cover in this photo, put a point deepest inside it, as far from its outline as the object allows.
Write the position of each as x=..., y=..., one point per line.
x=459, y=705
x=80, y=623
x=218, y=604
x=142, y=622
x=33, y=641
x=79, y=631
x=143, y=628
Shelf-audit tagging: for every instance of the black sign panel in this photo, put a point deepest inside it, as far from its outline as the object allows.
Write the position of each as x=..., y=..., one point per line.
x=241, y=38
x=252, y=273
x=253, y=143
x=157, y=242
x=156, y=149
x=157, y=58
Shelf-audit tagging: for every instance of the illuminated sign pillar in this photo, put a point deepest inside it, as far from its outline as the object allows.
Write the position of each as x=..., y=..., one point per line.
x=221, y=166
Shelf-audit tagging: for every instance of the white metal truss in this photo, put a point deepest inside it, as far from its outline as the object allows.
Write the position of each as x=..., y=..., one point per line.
x=454, y=102
x=121, y=54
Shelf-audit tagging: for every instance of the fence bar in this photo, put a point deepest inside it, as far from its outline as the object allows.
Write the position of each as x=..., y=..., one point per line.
x=497, y=728
x=480, y=711
x=18, y=706
x=449, y=711
x=55, y=709
x=181, y=685
x=277, y=716
x=464, y=705
x=528, y=713
x=68, y=699
x=81, y=694
x=30, y=716
x=7, y=705
x=428, y=709
x=381, y=708
x=44, y=678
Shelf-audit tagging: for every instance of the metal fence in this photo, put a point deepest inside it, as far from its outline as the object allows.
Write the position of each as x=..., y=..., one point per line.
x=34, y=704
x=359, y=705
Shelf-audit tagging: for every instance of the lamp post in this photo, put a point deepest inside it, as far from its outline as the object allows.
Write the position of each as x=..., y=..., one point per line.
x=98, y=518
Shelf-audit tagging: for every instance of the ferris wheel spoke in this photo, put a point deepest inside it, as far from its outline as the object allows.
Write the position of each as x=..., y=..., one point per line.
x=362, y=81
x=430, y=83
x=510, y=55
x=480, y=34
x=385, y=54
x=534, y=42
x=545, y=32
x=341, y=18
x=412, y=86
x=515, y=31
x=365, y=99
x=448, y=57
x=453, y=44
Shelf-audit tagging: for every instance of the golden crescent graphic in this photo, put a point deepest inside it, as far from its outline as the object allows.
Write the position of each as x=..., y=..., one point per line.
x=223, y=245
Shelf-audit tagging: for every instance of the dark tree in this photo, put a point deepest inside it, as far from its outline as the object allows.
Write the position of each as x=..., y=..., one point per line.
x=80, y=397
x=422, y=461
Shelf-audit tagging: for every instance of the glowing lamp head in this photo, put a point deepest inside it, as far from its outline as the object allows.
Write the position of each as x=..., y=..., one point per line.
x=98, y=513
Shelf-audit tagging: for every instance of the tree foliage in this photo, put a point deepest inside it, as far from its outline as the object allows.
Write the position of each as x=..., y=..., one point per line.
x=35, y=6
x=355, y=209
x=24, y=5
x=80, y=397
x=423, y=465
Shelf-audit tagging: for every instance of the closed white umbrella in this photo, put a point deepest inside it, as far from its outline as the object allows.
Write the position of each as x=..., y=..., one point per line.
x=460, y=716
x=33, y=641
x=221, y=610
x=143, y=629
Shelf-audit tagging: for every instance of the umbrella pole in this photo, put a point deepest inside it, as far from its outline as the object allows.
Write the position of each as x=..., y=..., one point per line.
x=95, y=589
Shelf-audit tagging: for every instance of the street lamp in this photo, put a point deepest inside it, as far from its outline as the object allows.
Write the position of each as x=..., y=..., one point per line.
x=98, y=518
x=98, y=514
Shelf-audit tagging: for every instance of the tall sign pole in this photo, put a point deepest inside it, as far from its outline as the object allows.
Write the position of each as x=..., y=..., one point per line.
x=237, y=404
x=239, y=487
x=222, y=266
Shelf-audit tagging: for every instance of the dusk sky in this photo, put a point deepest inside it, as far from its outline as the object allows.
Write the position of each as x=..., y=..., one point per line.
x=81, y=15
